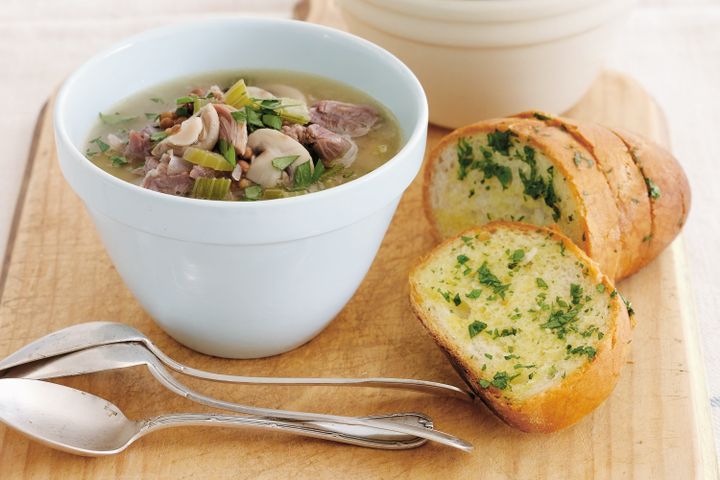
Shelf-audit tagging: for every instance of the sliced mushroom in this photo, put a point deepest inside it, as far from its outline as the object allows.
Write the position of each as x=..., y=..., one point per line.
x=200, y=131
x=211, y=127
x=281, y=90
x=231, y=130
x=268, y=144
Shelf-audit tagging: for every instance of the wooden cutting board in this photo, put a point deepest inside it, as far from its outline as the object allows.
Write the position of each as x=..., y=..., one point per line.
x=655, y=425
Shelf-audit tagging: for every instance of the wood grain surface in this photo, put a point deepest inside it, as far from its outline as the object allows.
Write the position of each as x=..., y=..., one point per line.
x=653, y=426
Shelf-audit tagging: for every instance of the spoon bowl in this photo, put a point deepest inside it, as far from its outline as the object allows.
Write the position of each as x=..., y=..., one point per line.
x=83, y=424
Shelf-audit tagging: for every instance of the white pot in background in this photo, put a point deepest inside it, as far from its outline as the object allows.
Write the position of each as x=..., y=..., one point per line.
x=490, y=58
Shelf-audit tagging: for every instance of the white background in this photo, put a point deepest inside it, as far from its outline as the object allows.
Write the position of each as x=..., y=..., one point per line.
x=671, y=46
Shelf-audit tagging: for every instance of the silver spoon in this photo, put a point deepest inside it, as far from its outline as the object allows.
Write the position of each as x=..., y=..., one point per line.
x=81, y=423
x=92, y=334
x=127, y=355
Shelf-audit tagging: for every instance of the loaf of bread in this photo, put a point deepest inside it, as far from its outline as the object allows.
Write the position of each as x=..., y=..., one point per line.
x=527, y=318
x=620, y=198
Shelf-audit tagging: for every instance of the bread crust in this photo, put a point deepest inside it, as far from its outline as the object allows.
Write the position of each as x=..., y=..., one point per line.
x=625, y=180
x=580, y=392
x=670, y=209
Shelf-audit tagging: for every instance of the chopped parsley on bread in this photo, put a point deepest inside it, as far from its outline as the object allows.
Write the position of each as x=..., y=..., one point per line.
x=620, y=198
x=527, y=318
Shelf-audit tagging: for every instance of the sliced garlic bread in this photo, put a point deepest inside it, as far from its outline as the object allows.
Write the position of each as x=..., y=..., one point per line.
x=625, y=180
x=527, y=319
x=597, y=186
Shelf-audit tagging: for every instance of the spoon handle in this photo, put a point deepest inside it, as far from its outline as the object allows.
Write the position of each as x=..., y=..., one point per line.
x=170, y=382
x=378, y=382
x=336, y=432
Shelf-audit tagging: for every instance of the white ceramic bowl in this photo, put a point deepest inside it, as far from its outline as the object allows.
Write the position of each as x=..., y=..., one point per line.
x=240, y=279
x=490, y=58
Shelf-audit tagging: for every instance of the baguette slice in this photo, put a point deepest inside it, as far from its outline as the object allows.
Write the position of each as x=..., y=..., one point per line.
x=622, y=199
x=518, y=169
x=625, y=180
x=527, y=319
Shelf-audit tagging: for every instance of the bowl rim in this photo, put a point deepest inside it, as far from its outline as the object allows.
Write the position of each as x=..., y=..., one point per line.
x=415, y=133
x=490, y=11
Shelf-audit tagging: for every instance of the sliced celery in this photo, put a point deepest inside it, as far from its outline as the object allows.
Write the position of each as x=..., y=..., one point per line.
x=237, y=95
x=198, y=103
x=207, y=159
x=293, y=110
x=271, y=193
x=211, y=188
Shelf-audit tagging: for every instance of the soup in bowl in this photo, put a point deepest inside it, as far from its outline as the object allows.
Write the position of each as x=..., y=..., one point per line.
x=244, y=136
x=241, y=187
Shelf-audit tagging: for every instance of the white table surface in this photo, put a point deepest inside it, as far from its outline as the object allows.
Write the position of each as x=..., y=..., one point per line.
x=671, y=46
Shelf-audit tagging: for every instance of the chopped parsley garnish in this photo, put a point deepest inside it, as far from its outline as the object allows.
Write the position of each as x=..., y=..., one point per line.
x=501, y=380
x=462, y=259
x=540, y=116
x=505, y=332
x=466, y=240
x=281, y=163
x=118, y=161
x=272, y=120
x=515, y=258
x=456, y=299
x=541, y=283
x=486, y=277
x=490, y=168
x=465, y=157
x=500, y=141
x=104, y=147
x=156, y=100
x=628, y=305
x=475, y=293
x=184, y=100
x=305, y=176
x=576, y=292
x=653, y=189
x=476, y=327
x=489, y=356
x=600, y=287
x=152, y=116
x=560, y=321
x=534, y=185
x=587, y=350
